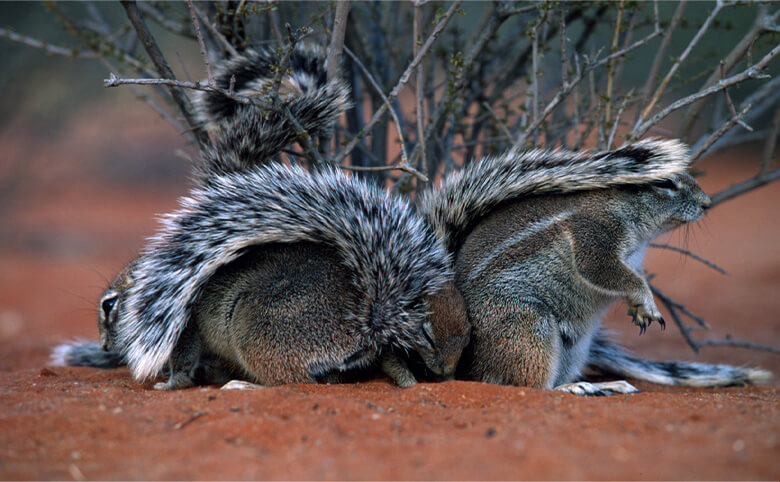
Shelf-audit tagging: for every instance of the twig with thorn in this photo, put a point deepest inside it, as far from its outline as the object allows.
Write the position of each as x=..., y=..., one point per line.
x=201, y=43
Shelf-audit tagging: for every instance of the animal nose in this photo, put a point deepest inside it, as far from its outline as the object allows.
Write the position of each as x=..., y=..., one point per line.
x=705, y=201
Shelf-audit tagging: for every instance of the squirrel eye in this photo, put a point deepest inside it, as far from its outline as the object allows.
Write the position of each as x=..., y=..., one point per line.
x=665, y=184
x=107, y=305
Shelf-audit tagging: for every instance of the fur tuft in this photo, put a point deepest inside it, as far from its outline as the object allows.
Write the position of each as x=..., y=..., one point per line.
x=608, y=358
x=248, y=135
x=468, y=195
x=84, y=354
x=396, y=257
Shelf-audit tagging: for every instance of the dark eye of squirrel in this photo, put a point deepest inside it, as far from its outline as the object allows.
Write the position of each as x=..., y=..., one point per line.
x=107, y=305
x=665, y=184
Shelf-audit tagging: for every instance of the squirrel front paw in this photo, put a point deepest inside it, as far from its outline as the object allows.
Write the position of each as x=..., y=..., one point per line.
x=644, y=313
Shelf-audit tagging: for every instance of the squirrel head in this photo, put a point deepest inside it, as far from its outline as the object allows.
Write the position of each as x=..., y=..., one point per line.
x=665, y=204
x=445, y=332
x=111, y=305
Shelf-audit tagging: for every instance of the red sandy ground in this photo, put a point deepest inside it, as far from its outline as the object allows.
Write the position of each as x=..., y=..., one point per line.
x=70, y=228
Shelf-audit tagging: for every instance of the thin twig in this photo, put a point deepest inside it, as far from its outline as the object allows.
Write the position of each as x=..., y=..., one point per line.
x=661, y=54
x=611, y=68
x=753, y=183
x=566, y=89
x=164, y=70
x=673, y=70
x=166, y=22
x=190, y=419
x=500, y=123
x=337, y=39
x=671, y=305
x=46, y=47
x=419, y=85
x=739, y=344
x=752, y=72
x=375, y=85
x=216, y=33
x=201, y=43
x=730, y=104
x=691, y=254
x=401, y=82
x=613, y=131
x=771, y=141
x=712, y=138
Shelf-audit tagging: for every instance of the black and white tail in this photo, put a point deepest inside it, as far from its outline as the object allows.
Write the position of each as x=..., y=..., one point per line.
x=248, y=135
x=608, y=358
x=85, y=354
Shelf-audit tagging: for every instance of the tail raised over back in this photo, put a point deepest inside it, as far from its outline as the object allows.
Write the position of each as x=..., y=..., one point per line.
x=247, y=134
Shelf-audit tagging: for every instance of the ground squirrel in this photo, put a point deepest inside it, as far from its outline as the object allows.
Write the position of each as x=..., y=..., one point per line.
x=544, y=241
x=284, y=276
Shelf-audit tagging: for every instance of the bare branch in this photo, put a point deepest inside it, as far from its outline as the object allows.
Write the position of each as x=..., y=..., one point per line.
x=691, y=254
x=771, y=141
x=214, y=32
x=611, y=67
x=731, y=122
x=672, y=306
x=166, y=22
x=419, y=88
x=661, y=54
x=337, y=39
x=753, y=72
x=201, y=44
x=46, y=47
x=719, y=5
x=754, y=183
x=375, y=85
x=613, y=131
x=566, y=89
x=164, y=69
x=401, y=82
x=739, y=344
x=500, y=123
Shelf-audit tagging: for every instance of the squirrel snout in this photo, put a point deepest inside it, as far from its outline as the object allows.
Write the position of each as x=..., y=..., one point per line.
x=705, y=201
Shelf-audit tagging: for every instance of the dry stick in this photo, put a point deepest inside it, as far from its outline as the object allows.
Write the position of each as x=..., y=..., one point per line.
x=691, y=254
x=401, y=82
x=164, y=70
x=661, y=54
x=718, y=6
x=46, y=47
x=500, y=123
x=739, y=344
x=189, y=420
x=730, y=104
x=731, y=122
x=166, y=22
x=419, y=85
x=566, y=89
x=611, y=68
x=375, y=85
x=671, y=305
x=753, y=72
x=275, y=26
x=201, y=43
x=535, y=73
x=771, y=141
x=617, y=119
x=762, y=24
x=216, y=33
x=337, y=39
x=745, y=186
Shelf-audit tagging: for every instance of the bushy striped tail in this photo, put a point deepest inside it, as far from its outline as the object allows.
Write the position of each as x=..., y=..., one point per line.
x=247, y=135
x=608, y=358
x=467, y=196
x=85, y=354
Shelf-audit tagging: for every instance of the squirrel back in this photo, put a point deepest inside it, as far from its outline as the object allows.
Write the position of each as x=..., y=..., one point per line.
x=468, y=195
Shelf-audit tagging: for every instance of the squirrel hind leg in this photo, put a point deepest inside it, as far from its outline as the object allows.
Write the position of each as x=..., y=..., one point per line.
x=597, y=389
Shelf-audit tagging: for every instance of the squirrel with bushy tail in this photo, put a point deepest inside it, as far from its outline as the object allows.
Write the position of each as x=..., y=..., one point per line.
x=275, y=275
x=540, y=243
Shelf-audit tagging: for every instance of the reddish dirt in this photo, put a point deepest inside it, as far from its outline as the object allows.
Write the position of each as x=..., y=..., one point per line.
x=69, y=228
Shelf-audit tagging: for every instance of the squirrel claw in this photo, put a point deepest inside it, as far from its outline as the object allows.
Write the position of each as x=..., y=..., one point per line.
x=662, y=323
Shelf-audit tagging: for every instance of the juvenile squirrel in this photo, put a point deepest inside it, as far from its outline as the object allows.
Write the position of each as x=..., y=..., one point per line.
x=545, y=241
x=281, y=275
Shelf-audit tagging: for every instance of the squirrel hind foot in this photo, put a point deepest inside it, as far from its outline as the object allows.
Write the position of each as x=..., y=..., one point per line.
x=597, y=389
